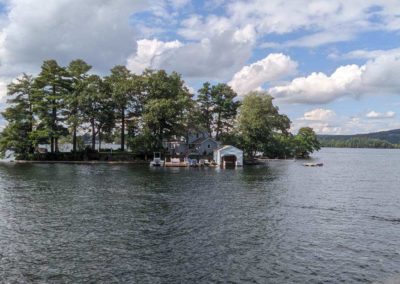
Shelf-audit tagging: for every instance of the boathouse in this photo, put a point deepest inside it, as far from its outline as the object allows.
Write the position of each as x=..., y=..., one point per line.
x=228, y=156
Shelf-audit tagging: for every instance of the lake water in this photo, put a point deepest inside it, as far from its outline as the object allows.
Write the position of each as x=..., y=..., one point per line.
x=280, y=223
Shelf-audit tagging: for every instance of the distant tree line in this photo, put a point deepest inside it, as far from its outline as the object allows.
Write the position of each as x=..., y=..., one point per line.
x=141, y=111
x=356, y=142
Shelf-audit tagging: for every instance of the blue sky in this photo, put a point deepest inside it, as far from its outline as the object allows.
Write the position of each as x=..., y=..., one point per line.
x=330, y=64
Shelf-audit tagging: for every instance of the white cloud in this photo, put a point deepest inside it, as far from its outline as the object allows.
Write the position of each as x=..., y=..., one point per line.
x=319, y=87
x=319, y=114
x=95, y=30
x=150, y=53
x=380, y=115
x=323, y=121
x=322, y=21
x=366, y=54
x=214, y=58
x=197, y=27
x=378, y=76
x=271, y=68
x=3, y=90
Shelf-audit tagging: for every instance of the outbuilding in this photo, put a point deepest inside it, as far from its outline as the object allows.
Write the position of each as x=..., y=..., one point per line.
x=227, y=156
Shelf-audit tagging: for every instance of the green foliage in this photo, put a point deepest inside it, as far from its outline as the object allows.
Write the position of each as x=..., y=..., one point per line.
x=205, y=108
x=97, y=107
x=77, y=71
x=306, y=142
x=166, y=106
x=217, y=109
x=19, y=116
x=64, y=104
x=258, y=121
x=125, y=91
x=51, y=89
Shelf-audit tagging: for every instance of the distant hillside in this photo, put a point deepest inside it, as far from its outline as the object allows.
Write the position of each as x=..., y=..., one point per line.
x=383, y=139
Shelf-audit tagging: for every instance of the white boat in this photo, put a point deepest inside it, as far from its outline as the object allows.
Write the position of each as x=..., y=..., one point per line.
x=313, y=164
x=157, y=162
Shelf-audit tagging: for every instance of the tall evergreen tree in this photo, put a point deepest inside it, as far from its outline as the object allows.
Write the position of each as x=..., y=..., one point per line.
x=19, y=115
x=224, y=108
x=205, y=106
x=97, y=107
x=77, y=70
x=125, y=92
x=52, y=85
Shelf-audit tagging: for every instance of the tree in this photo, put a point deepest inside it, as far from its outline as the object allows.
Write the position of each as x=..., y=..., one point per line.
x=258, y=120
x=224, y=108
x=166, y=106
x=125, y=92
x=205, y=107
x=97, y=107
x=52, y=86
x=77, y=71
x=306, y=142
x=19, y=115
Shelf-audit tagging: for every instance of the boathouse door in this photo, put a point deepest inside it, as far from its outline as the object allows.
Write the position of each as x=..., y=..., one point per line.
x=229, y=161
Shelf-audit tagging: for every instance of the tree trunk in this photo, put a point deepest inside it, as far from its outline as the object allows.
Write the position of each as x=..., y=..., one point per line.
x=123, y=130
x=51, y=144
x=74, y=140
x=218, y=127
x=99, y=132
x=56, y=145
x=93, y=135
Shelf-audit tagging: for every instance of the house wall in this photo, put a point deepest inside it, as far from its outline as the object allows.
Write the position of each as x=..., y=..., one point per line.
x=204, y=147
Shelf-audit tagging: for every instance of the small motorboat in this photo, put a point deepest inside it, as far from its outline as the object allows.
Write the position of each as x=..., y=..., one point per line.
x=313, y=164
x=157, y=162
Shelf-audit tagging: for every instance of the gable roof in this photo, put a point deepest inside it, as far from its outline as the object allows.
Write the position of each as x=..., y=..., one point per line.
x=228, y=147
x=202, y=140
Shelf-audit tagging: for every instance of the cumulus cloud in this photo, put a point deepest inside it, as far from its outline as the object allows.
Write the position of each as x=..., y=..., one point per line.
x=323, y=121
x=271, y=68
x=319, y=87
x=380, y=115
x=97, y=31
x=320, y=19
x=319, y=114
x=214, y=58
x=151, y=53
x=377, y=76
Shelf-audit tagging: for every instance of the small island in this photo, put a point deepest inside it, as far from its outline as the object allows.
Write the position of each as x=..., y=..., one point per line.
x=142, y=114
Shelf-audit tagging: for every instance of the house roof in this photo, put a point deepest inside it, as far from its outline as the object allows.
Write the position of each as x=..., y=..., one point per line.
x=226, y=147
x=202, y=140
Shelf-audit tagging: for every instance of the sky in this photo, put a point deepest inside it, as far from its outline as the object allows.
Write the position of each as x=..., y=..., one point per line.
x=333, y=65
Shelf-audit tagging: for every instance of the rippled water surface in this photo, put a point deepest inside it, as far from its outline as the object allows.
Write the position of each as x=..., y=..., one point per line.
x=280, y=223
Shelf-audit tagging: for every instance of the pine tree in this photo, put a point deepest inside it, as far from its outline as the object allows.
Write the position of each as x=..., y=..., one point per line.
x=52, y=87
x=20, y=117
x=77, y=71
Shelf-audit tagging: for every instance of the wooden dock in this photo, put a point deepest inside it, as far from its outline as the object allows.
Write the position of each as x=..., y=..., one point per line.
x=176, y=164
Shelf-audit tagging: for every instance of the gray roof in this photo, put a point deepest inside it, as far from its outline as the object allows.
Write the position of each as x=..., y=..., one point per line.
x=202, y=140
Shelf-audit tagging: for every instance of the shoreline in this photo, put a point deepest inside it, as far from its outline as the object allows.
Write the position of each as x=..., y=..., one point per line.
x=96, y=162
x=77, y=162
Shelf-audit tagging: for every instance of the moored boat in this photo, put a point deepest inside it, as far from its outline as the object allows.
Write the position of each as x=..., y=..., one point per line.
x=313, y=164
x=157, y=162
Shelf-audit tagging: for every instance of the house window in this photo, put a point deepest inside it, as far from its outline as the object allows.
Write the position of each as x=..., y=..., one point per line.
x=209, y=146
